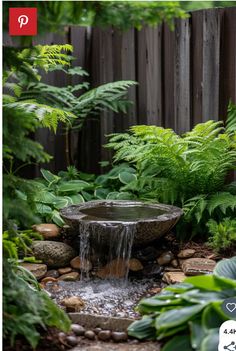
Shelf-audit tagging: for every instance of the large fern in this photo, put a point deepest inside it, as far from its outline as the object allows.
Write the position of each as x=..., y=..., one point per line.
x=189, y=170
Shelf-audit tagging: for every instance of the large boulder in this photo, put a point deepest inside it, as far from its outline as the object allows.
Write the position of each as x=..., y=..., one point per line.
x=54, y=254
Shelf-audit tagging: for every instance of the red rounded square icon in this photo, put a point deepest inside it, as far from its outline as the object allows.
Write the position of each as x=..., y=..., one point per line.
x=23, y=21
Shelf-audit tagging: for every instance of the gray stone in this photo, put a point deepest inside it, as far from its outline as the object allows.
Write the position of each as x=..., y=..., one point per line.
x=104, y=322
x=77, y=329
x=37, y=269
x=89, y=334
x=73, y=303
x=187, y=253
x=54, y=254
x=53, y=273
x=69, y=277
x=71, y=340
x=198, y=266
x=174, y=277
x=163, y=218
x=165, y=258
x=104, y=335
x=119, y=336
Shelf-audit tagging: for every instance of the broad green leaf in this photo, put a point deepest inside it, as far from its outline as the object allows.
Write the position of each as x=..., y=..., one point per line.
x=126, y=177
x=21, y=195
x=178, y=343
x=211, y=318
x=50, y=177
x=73, y=186
x=211, y=341
x=76, y=199
x=209, y=282
x=45, y=197
x=56, y=218
x=200, y=297
x=125, y=196
x=226, y=268
x=142, y=329
x=172, y=331
x=61, y=202
x=197, y=333
x=112, y=195
x=179, y=288
x=101, y=193
x=176, y=317
x=43, y=209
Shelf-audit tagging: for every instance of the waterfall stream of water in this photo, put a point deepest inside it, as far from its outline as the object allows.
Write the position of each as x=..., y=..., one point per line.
x=118, y=248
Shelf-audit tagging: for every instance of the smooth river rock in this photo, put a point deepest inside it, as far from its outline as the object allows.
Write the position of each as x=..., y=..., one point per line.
x=69, y=277
x=73, y=303
x=165, y=258
x=77, y=264
x=47, y=230
x=187, y=253
x=37, y=269
x=54, y=254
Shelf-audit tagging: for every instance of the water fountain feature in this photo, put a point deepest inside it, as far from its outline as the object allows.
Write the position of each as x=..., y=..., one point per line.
x=109, y=229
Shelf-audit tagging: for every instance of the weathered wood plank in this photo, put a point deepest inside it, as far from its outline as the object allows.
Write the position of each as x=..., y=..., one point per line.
x=106, y=76
x=227, y=81
x=124, y=68
x=182, y=76
x=211, y=64
x=154, y=75
x=197, y=66
x=168, y=88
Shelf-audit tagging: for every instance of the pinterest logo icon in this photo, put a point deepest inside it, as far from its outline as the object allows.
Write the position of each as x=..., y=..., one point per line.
x=22, y=21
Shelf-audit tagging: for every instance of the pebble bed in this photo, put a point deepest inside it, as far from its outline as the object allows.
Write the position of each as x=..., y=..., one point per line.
x=102, y=297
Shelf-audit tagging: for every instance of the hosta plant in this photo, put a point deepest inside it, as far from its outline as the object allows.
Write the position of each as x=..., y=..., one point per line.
x=187, y=316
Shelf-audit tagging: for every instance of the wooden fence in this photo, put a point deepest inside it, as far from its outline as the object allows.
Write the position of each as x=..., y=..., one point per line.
x=185, y=76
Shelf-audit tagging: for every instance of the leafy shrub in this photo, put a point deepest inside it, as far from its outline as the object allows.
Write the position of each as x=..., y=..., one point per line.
x=33, y=104
x=188, y=314
x=223, y=234
x=188, y=171
x=26, y=308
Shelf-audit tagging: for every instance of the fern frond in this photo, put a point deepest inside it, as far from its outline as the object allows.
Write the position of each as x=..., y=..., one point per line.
x=231, y=118
x=223, y=201
x=47, y=115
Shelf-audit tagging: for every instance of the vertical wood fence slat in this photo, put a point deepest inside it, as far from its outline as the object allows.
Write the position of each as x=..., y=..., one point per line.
x=124, y=69
x=182, y=76
x=228, y=60
x=154, y=75
x=196, y=65
x=106, y=76
x=211, y=65
x=168, y=67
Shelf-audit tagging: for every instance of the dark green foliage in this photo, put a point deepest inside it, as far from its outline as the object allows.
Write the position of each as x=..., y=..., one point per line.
x=26, y=308
x=188, y=314
x=223, y=234
x=17, y=243
x=33, y=104
x=188, y=171
x=54, y=16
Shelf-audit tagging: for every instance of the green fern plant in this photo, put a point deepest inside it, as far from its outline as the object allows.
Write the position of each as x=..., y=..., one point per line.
x=188, y=171
x=223, y=234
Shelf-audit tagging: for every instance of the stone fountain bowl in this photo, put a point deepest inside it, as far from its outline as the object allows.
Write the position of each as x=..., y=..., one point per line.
x=104, y=218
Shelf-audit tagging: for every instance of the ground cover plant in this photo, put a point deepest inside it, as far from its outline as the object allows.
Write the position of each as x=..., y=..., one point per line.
x=187, y=316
